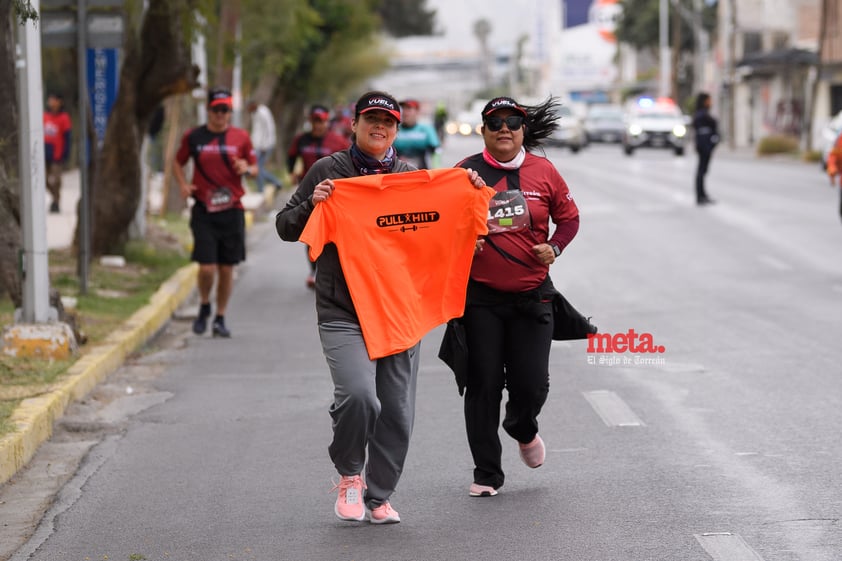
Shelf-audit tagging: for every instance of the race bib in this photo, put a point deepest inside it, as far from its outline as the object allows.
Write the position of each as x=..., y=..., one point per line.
x=507, y=212
x=220, y=199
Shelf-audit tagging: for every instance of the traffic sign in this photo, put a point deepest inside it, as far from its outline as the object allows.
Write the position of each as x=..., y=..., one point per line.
x=104, y=31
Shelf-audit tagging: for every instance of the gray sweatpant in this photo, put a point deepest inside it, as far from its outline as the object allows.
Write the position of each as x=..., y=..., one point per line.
x=373, y=406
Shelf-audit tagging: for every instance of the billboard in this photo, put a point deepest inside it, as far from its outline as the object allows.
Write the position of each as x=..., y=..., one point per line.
x=602, y=13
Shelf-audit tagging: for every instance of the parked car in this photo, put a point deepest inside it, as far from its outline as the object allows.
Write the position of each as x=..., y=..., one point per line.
x=466, y=124
x=469, y=121
x=654, y=124
x=605, y=122
x=570, y=132
x=830, y=132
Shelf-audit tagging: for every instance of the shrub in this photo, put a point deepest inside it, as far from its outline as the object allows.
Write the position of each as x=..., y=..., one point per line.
x=777, y=144
x=813, y=156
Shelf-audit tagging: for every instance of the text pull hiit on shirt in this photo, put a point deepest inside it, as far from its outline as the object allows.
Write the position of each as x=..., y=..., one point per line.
x=405, y=242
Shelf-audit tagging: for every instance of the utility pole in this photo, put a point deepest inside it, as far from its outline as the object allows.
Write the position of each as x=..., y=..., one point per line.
x=676, y=55
x=84, y=148
x=814, y=90
x=36, y=285
x=729, y=70
x=36, y=331
x=663, y=30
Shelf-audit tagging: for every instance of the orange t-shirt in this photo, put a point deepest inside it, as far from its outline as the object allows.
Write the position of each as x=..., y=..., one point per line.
x=405, y=242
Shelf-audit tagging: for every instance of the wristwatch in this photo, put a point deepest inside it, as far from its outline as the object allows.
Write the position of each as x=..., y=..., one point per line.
x=556, y=249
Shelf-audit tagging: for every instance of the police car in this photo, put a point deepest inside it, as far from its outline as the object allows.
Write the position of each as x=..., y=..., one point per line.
x=654, y=123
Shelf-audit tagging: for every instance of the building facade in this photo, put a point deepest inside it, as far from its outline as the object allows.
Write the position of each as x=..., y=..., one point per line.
x=773, y=76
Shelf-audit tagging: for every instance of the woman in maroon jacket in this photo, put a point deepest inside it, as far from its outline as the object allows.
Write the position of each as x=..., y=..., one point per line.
x=508, y=311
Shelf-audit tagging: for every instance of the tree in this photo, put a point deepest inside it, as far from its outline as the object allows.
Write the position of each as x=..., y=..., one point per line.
x=156, y=64
x=638, y=24
x=299, y=52
x=11, y=12
x=482, y=30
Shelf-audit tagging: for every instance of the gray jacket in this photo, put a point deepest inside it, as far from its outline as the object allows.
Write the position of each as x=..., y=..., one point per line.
x=333, y=300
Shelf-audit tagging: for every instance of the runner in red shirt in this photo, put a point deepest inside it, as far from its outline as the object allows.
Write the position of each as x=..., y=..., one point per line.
x=57, y=134
x=508, y=311
x=221, y=155
x=309, y=147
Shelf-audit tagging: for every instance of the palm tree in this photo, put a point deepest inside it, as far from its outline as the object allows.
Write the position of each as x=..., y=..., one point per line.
x=482, y=29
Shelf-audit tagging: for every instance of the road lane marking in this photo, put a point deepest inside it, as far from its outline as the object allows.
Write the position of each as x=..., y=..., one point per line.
x=725, y=546
x=613, y=411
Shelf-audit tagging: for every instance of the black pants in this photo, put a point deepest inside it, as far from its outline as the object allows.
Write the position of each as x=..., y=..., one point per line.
x=701, y=171
x=509, y=347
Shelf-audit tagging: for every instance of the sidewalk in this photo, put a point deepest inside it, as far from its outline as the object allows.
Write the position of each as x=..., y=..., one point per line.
x=62, y=226
x=34, y=418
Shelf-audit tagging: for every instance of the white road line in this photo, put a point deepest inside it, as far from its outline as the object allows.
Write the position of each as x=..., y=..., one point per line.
x=725, y=546
x=612, y=409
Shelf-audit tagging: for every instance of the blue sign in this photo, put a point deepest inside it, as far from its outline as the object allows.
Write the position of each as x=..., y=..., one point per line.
x=102, y=88
x=576, y=12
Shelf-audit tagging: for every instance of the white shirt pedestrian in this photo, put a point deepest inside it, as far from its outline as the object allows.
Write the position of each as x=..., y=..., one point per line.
x=263, y=136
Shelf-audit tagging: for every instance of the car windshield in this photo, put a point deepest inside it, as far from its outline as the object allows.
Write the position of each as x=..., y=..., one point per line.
x=664, y=115
x=605, y=113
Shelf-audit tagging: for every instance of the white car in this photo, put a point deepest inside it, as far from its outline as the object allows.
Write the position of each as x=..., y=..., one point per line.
x=570, y=132
x=466, y=124
x=605, y=123
x=654, y=124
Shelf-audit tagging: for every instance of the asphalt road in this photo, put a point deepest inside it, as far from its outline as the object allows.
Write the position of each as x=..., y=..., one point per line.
x=725, y=446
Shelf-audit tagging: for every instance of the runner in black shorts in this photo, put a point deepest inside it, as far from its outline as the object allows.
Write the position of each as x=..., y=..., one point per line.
x=221, y=155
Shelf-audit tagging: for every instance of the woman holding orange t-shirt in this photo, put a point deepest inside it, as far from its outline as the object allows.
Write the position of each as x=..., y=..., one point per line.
x=373, y=406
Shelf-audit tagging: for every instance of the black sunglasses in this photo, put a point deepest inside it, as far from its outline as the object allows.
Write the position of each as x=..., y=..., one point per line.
x=220, y=109
x=494, y=124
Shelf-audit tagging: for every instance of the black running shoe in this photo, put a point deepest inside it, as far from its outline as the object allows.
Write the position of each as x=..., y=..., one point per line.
x=200, y=324
x=219, y=329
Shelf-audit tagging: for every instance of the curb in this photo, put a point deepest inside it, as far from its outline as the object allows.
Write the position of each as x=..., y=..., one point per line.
x=34, y=417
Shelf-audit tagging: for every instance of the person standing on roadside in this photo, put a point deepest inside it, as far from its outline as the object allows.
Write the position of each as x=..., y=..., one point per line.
x=508, y=315
x=707, y=137
x=263, y=138
x=57, y=137
x=309, y=147
x=417, y=143
x=221, y=155
x=373, y=407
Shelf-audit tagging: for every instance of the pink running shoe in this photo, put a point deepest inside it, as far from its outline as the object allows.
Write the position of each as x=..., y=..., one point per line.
x=385, y=514
x=478, y=490
x=533, y=453
x=349, y=503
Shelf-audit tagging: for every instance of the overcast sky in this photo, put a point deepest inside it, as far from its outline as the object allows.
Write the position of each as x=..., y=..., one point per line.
x=456, y=19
